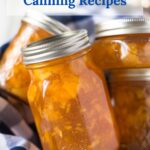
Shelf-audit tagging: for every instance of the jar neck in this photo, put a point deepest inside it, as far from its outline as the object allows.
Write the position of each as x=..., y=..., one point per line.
x=35, y=28
x=60, y=60
x=124, y=37
x=29, y=33
x=128, y=83
x=72, y=64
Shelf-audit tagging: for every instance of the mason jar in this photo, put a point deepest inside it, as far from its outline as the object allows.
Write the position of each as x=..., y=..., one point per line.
x=68, y=95
x=130, y=97
x=13, y=75
x=122, y=43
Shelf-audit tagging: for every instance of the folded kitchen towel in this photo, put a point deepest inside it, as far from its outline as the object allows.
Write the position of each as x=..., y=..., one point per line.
x=13, y=123
x=8, y=142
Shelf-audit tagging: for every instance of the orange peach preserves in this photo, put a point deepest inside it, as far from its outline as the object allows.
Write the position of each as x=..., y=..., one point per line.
x=131, y=103
x=122, y=44
x=68, y=96
x=14, y=77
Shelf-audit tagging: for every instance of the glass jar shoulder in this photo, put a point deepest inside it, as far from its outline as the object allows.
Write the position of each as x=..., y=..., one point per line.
x=73, y=72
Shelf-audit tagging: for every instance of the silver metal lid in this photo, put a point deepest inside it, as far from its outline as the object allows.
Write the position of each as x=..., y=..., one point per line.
x=140, y=74
x=55, y=47
x=123, y=26
x=45, y=22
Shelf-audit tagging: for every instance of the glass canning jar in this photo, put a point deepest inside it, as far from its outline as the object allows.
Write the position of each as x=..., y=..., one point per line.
x=122, y=43
x=13, y=75
x=68, y=95
x=130, y=96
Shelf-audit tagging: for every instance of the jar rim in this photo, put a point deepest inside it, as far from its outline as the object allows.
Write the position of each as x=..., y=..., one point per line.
x=123, y=27
x=140, y=74
x=58, y=46
x=43, y=21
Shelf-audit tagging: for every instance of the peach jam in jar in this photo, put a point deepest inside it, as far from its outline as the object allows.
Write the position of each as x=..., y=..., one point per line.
x=68, y=95
x=130, y=96
x=122, y=43
x=14, y=77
